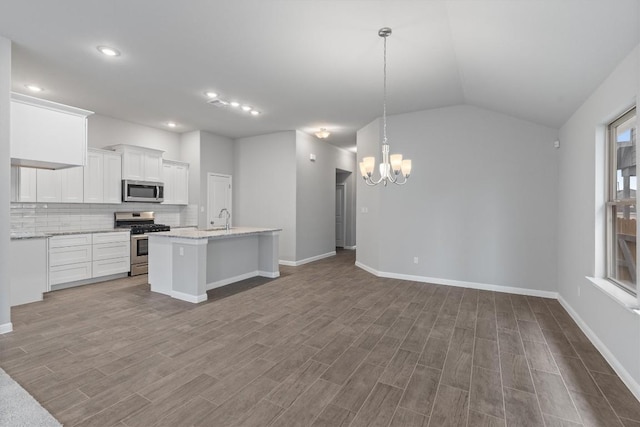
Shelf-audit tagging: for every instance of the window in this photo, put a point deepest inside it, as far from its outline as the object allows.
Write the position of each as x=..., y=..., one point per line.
x=621, y=206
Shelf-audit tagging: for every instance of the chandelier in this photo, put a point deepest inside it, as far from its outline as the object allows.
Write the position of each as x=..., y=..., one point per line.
x=392, y=168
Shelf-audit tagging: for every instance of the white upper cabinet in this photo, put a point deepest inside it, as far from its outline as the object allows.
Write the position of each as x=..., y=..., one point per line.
x=102, y=177
x=140, y=164
x=23, y=185
x=60, y=186
x=176, y=182
x=46, y=134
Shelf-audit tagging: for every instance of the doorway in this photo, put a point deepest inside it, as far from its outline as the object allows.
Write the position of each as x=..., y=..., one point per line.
x=218, y=198
x=341, y=214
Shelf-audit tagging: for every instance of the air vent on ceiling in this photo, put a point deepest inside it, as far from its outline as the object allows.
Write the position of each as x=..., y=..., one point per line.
x=217, y=102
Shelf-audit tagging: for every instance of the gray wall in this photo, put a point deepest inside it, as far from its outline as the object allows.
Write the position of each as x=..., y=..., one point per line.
x=190, y=153
x=216, y=155
x=480, y=205
x=581, y=221
x=104, y=131
x=368, y=201
x=264, y=181
x=315, y=195
x=5, y=182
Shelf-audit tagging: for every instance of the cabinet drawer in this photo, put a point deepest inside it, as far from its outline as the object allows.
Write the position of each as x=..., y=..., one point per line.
x=70, y=240
x=110, y=266
x=120, y=236
x=69, y=273
x=104, y=251
x=69, y=255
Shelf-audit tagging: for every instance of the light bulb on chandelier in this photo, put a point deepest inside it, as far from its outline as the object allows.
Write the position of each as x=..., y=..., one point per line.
x=392, y=168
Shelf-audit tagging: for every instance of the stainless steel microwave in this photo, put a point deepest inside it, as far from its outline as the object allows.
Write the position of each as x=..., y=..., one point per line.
x=142, y=191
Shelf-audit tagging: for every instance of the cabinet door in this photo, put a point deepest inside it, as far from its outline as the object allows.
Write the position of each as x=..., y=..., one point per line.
x=48, y=186
x=71, y=185
x=153, y=167
x=93, y=177
x=181, y=182
x=169, y=187
x=133, y=163
x=112, y=178
x=24, y=184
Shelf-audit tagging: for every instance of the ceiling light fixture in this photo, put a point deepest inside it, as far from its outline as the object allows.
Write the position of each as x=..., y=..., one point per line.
x=171, y=124
x=108, y=51
x=246, y=108
x=255, y=113
x=392, y=168
x=211, y=94
x=235, y=104
x=34, y=88
x=323, y=133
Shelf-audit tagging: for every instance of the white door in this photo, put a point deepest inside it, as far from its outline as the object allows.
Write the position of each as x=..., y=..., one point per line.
x=340, y=214
x=218, y=198
x=72, y=185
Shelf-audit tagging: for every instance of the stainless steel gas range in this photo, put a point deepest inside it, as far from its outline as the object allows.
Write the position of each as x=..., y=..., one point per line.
x=140, y=224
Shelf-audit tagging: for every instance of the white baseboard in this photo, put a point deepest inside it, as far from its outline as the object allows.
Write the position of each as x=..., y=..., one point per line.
x=609, y=357
x=307, y=260
x=269, y=274
x=459, y=283
x=188, y=297
x=350, y=248
x=6, y=328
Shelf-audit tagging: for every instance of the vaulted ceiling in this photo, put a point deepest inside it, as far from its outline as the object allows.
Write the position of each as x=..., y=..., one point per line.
x=308, y=64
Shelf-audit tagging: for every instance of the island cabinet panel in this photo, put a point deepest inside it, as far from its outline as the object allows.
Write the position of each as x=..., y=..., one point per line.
x=46, y=134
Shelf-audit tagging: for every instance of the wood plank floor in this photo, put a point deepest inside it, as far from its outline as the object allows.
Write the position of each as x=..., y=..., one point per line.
x=326, y=344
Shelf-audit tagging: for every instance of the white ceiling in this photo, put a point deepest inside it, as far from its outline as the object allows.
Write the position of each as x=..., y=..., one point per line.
x=316, y=63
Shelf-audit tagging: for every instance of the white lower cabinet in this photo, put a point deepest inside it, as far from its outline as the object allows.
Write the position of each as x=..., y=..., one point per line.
x=78, y=257
x=69, y=258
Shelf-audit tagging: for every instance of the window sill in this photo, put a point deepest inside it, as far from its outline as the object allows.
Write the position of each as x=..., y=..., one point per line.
x=621, y=297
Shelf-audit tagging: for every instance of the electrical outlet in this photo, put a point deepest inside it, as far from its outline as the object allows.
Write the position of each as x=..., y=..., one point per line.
x=415, y=259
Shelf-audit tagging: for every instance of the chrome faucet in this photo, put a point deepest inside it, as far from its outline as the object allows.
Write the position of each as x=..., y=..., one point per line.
x=226, y=225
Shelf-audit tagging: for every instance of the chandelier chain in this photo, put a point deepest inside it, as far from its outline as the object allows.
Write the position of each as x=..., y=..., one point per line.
x=384, y=96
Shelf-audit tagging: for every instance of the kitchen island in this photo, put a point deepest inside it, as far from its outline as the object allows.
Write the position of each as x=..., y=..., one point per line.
x=186, y=263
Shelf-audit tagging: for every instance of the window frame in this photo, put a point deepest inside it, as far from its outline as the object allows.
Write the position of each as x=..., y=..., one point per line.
x=612, y=202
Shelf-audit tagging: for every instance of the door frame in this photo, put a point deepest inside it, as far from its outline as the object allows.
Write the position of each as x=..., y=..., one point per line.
x=209, y=175
x=344, y=213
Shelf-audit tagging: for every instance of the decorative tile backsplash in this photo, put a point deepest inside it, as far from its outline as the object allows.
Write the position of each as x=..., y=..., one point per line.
x=59, y=217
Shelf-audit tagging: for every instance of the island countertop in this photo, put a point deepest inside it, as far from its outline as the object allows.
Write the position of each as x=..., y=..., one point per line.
x=214, y=233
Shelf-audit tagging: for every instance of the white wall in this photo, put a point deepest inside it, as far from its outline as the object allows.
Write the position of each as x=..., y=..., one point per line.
x=480, y=206
x=264, y=181
x=316, y=195
x=5, y=183
x=190, y=153
x=613, y=328
x=105, y=131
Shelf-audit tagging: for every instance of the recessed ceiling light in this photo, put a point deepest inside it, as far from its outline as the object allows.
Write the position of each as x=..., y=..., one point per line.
x=211, y=94
x=34, y=88
x=171, y=124
x=108, y=51
x=235, y=104
x=255, y=112
x=246, y=108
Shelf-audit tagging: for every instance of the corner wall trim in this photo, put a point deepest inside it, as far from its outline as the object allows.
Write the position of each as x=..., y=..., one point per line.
x=189, y=298
x=459, y=283
x=624, y=375
x=307, y=260
x=6, y=328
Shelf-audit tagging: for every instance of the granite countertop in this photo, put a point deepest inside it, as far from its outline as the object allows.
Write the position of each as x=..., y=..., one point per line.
x=214, y=233
x=22, y=235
